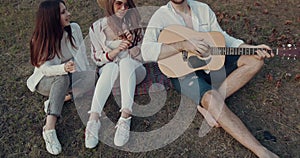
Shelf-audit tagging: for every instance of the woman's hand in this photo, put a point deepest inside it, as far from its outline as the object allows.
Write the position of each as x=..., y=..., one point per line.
x=128, y=35
x=70, y=66
x=124, y=45
x=126, y=38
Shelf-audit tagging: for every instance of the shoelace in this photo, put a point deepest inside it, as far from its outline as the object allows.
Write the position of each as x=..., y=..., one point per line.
x=123, y=126
x=93, y=127
x=50, y=138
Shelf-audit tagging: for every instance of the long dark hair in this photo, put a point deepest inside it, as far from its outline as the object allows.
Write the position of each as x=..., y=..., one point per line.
x=45, y=42
x=132, y=19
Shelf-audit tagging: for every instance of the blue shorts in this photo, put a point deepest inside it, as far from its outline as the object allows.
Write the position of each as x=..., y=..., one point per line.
x=196, y=84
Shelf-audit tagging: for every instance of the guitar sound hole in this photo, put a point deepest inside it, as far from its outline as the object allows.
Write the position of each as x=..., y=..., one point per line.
x=195, y=62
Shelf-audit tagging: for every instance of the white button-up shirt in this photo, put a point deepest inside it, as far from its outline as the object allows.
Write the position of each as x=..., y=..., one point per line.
x=203, y=19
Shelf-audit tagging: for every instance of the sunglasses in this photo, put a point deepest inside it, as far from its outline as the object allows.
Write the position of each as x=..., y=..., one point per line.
x=119, y=4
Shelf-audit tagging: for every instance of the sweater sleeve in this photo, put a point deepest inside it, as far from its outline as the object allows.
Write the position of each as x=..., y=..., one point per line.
x=98, y=54
x=49, y=69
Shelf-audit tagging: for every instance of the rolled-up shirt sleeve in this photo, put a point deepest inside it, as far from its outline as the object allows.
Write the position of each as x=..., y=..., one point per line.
x=49, y=68
x=151, y=47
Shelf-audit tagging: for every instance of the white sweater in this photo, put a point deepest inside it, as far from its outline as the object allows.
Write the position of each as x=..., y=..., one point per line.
x=55, y=66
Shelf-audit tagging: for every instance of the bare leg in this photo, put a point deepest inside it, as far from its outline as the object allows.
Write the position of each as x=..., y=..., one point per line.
x=68, y=97
x=214, y=102
x=50, y=122
x=211, y=121
x=94, y=116
x=125, y=113
x=248, y=66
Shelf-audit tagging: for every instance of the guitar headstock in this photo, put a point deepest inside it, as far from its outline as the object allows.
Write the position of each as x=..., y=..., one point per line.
x=289, y=51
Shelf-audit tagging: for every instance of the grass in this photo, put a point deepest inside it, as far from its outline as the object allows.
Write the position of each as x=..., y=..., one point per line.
x=264, y=104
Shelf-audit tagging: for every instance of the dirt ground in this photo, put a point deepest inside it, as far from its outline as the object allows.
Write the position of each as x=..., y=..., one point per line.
x=268, y=104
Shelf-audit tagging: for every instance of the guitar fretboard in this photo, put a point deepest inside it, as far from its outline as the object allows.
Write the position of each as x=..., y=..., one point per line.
x=236, y=51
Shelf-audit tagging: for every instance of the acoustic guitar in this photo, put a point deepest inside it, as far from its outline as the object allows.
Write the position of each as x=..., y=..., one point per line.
x=183, y=63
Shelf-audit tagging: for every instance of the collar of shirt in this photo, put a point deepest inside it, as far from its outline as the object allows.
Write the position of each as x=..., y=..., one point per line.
x=195, y=20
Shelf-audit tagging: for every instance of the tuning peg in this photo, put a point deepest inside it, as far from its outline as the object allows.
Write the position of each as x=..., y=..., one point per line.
x=283, y=46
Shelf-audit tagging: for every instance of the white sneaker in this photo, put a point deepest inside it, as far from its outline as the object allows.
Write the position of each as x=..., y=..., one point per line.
x=52, y=144
x=122, y=132
x=91, y=133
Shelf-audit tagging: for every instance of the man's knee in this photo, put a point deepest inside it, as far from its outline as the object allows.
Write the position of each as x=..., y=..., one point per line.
x=210, y=97
x=214, y=104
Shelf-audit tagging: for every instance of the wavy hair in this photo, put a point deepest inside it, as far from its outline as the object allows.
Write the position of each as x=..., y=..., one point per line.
x=45, y=42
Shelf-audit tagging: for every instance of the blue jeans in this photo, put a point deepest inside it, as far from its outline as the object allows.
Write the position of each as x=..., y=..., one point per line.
x=196, y=84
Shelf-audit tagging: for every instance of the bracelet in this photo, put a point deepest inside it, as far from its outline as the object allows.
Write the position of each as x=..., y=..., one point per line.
x=107, y=57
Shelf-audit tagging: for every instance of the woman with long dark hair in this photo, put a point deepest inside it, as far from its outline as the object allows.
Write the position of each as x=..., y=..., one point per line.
x=58, y=53
x=115, y=48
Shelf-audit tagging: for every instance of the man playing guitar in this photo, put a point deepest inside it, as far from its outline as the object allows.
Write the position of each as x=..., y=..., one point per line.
x=208, y=89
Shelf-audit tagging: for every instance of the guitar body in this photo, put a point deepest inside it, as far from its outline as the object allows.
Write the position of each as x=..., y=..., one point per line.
x=179, y=65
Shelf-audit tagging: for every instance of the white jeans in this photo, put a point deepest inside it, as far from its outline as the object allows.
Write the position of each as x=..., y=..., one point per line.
x=130, y=73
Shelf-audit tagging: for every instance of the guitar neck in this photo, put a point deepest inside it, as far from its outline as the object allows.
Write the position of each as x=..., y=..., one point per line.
x=237, y=51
